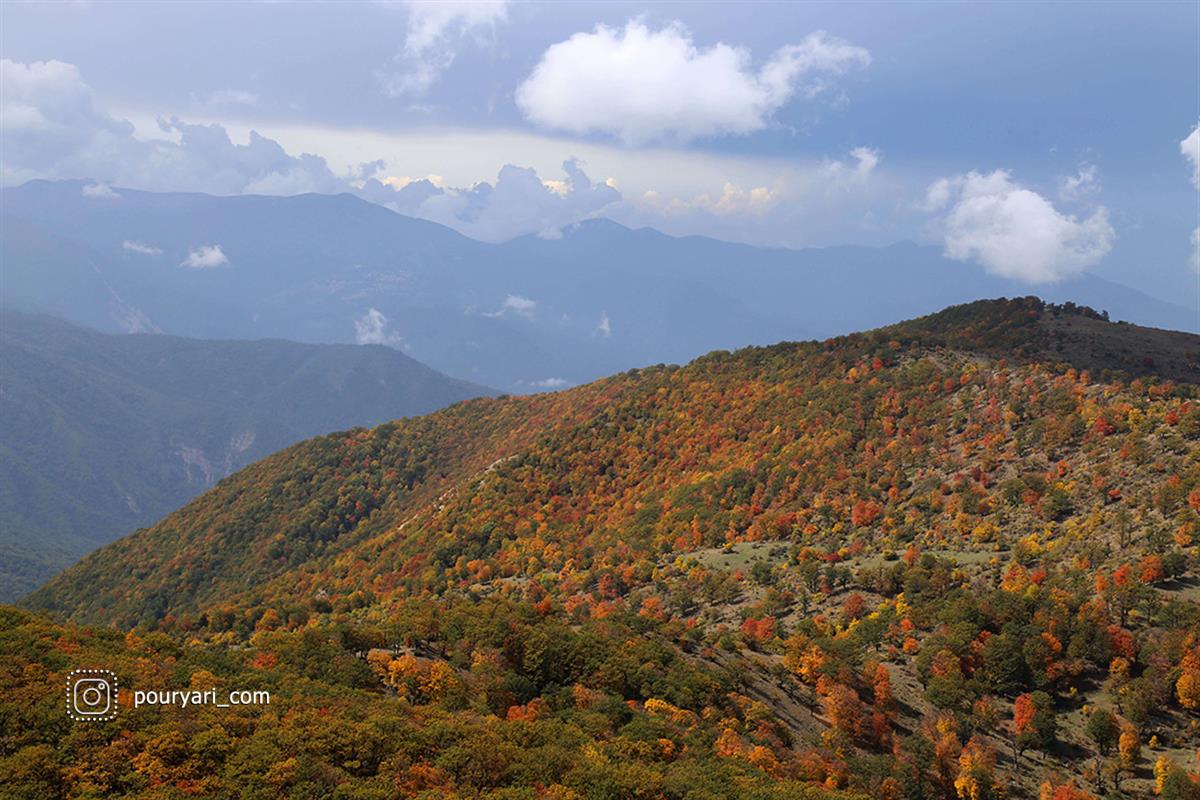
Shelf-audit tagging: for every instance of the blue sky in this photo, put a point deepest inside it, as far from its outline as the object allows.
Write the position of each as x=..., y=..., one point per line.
x=789, y=124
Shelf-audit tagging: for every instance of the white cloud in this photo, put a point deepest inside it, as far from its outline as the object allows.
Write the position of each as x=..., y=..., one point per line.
x=232, y=97
x=604, y=329
x=141, y=248
x=434, y=33
x=1083, y=185
x=1013, y=231
x=48, y=98
x=519, y=203
x=937, y=196
x=515, y=304
x=1190, y=147
x=642, y=85
x=53, y=128
x=205, y=257
x=830, y=187
x=548, y=383
x=795, y=201
x=372, y=328
x=844, y=175
x=100, y=190
x=1195, y=259
x=733, y=201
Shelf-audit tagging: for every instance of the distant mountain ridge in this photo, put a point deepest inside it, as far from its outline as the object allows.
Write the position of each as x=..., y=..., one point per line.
x=103, y=433
x=523, y=315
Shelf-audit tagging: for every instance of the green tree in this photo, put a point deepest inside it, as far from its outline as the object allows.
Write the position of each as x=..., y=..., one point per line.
x=1102, y=729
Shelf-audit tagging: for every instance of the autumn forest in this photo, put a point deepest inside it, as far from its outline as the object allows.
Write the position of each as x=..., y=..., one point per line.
x=957, y=557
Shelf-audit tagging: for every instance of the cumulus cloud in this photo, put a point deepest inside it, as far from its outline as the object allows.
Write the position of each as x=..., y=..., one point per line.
x=48, y=117
x=100, y=190
x=640, y=85
x=1190, y=147
x=205, y=257
x=141, y=248
x=514, y=304
x=404, y=194
x=1013, y=231
x=435, y=31
x=53, y=128
x=372, y=328
x=519, y=203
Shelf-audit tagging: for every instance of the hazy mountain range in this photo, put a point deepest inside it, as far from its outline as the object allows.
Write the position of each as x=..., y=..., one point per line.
x=523, y=315
x=101, y=434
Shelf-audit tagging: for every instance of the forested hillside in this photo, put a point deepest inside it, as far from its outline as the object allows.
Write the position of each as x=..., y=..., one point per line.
x=101, y=434
x=955, y=557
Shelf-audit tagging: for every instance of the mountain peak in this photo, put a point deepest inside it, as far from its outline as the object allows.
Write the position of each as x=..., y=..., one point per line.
x=1031, y=329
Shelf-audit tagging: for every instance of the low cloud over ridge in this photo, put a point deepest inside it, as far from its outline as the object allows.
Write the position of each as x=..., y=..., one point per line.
x=520, y=202
x=1013, y=231
x=372, y=328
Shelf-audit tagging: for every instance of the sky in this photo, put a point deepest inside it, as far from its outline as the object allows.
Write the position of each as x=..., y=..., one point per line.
x=1037, y=140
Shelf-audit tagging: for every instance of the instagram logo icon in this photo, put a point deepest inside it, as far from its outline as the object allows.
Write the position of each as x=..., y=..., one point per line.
x=91, y=695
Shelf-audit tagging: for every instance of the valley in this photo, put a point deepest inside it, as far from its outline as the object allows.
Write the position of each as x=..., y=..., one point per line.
x=101, y=434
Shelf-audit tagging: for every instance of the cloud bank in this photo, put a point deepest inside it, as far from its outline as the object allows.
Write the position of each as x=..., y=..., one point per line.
x=53, y=128
x=641, y=85
x=518, y=203
x=1013, y=231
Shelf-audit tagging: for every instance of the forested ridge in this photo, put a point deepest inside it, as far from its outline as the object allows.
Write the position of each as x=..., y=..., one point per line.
x=955, y=557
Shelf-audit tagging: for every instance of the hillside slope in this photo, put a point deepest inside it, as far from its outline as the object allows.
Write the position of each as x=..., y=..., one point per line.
x=919, y=561
x=313, y=512
x=101, y=434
